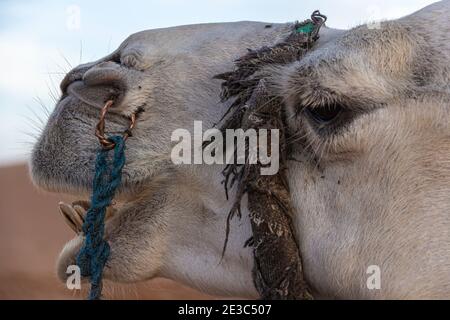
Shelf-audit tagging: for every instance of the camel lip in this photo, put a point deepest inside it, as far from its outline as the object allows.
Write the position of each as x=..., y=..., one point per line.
x=80, y=192
x=72, y=176
x=58, y=186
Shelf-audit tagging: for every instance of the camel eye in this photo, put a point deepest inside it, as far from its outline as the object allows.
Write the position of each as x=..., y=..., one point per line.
x=323, y=115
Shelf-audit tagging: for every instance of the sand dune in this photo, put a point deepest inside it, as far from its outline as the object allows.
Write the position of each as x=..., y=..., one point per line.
x=31, y=235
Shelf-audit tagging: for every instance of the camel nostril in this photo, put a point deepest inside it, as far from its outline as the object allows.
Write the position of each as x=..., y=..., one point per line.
x=104, y=74
x=94, y=95
x=68, y=79
x=96, y=83
x=74, y=75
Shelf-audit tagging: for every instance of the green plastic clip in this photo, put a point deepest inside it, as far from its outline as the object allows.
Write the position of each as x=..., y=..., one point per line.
x=306, y=28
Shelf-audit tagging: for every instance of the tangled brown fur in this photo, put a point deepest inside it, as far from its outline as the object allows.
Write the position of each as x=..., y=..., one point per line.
x=277, y=271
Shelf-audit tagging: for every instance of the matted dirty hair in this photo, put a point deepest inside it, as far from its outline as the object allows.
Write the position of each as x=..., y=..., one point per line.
x=277, y=271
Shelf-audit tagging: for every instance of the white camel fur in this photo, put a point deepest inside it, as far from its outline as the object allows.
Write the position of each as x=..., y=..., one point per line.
x=377, y=192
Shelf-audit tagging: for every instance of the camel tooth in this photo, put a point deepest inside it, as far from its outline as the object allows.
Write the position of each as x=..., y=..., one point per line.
x=82, y=203
x=66, y=212
x=77, y=218
x=82, y=206
x=80, y=211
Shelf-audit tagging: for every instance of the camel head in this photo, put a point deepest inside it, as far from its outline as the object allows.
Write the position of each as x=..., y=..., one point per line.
x=369, y=172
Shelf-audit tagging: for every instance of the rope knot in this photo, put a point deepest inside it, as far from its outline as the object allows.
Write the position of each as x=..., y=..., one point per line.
x=95, y=251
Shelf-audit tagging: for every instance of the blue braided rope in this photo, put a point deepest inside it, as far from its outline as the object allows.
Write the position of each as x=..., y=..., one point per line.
x=95, y=251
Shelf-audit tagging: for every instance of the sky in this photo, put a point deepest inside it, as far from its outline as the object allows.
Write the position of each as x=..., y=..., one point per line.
x=42, y=40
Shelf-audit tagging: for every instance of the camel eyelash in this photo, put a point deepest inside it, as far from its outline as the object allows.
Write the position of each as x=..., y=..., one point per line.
x=334, y=117
x=327, y=119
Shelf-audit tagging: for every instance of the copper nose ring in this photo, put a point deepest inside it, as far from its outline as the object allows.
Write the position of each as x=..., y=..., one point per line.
x=100, y=127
